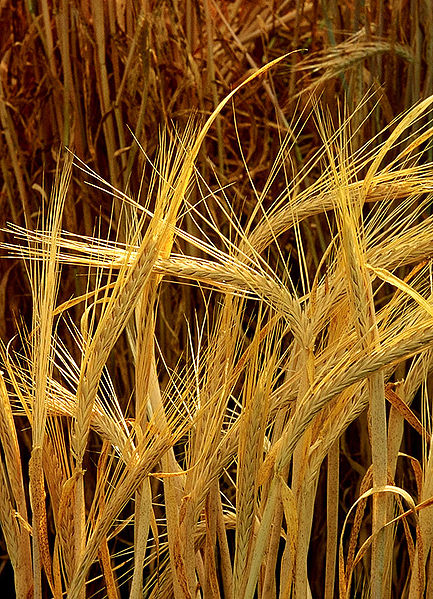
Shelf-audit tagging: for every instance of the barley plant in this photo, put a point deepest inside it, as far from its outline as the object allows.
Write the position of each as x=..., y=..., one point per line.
x=216, y=299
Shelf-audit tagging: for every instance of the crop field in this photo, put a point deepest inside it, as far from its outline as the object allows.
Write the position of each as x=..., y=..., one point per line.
x=216, y=299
